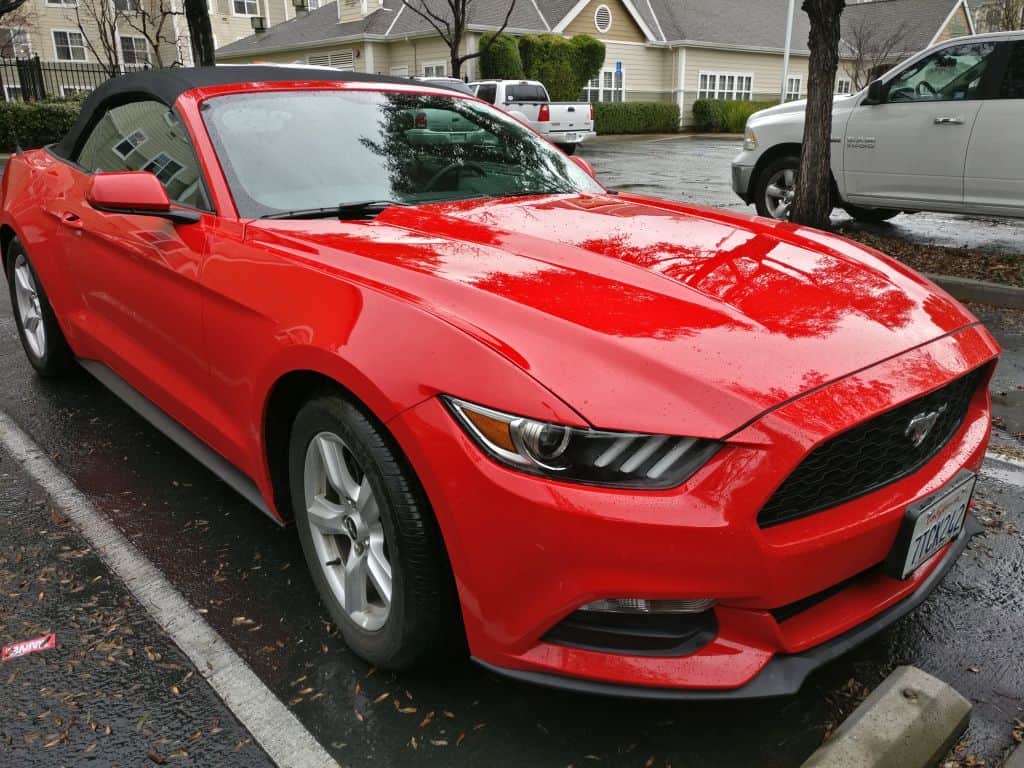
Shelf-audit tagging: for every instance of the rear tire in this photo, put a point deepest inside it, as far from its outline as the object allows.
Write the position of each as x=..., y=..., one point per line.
x=569, y=149
x=870, y=215
x=41, y=337
x=371, y=541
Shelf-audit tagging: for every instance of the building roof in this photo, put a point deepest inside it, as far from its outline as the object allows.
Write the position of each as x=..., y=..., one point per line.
x=740, y=24
x=920, y=20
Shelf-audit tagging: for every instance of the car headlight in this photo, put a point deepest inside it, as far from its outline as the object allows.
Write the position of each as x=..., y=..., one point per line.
x=749, y=139
x=588, y=456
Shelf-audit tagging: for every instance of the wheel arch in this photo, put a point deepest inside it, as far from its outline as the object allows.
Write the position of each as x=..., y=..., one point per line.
x=7, y=234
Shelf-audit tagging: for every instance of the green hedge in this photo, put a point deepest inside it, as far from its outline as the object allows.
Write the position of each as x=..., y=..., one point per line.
x=35, y=123
x=636, y=117
x=716, y=116
x=500, y=61
x=565, y=66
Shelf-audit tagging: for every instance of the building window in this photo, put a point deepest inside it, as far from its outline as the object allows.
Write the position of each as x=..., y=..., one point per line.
x=435, y=70
x=128, y=5
x=603, y=19
x=67, y=91
x=14, y=43
x=844, y=87
x=728, y=86
x=12, y=93
x=793, y=85
x=128, y=144
x=69, y=46
x=312, y=5
x=610, y=85
x=67, y=3
x=246, y=7
x=135, y=50
x=164, y=167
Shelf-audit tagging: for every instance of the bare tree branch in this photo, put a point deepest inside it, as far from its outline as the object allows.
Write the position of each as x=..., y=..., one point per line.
x=451, y=26
x=873, y=47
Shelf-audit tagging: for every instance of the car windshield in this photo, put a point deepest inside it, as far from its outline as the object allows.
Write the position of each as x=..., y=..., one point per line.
x=304, y=150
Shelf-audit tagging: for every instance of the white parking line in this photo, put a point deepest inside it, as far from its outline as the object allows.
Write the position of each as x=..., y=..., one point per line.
x=274, y=727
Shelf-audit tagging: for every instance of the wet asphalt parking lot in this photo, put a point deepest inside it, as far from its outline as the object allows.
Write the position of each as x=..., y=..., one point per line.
x=247, y=577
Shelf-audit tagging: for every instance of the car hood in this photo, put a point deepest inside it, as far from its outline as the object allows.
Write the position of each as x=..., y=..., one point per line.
x=797, y=109
x=642, y=314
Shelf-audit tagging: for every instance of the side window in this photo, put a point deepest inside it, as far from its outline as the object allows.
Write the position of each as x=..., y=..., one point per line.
x=147, y=136
x=1013, y=83
x=488, y=92
x=952, y=74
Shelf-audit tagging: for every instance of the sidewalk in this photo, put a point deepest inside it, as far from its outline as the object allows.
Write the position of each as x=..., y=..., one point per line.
x=114, y=690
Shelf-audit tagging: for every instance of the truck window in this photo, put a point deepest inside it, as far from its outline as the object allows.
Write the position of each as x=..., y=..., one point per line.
x=526, y=93
x=487, y=91
x=1013, y=82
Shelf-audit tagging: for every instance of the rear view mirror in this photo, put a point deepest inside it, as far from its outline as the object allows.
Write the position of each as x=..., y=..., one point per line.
x=134, y=192
x=877, y=93
x=584, y=165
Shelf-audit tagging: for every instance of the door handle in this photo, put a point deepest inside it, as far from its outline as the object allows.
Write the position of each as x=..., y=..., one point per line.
x=71, y=220
x=949, y=121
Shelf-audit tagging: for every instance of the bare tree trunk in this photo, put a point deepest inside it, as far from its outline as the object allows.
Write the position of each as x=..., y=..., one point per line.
x=200, y=32
x=813, y=201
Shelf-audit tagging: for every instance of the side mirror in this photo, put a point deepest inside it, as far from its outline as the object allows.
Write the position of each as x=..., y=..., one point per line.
x=584, y=165
x=878, y=93
x=135, y=192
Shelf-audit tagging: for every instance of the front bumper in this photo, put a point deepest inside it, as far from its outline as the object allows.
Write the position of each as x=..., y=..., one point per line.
x=784, y=674
x=528, y=552
x=741, y=178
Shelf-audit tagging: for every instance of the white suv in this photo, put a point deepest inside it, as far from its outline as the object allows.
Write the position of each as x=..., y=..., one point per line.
x=940, y=132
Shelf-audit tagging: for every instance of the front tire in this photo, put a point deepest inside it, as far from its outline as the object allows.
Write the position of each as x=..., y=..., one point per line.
x=370, y=538
x=870, y=215
x=775, y=187
x=41, y=337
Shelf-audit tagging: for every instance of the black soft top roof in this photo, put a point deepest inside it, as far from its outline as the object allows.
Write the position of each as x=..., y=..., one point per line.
x=166, y=85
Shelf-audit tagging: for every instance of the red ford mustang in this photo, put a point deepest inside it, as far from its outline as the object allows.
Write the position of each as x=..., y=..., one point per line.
x=612, y=443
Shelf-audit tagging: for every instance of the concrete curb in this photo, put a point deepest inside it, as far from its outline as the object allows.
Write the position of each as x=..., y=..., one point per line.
x=911, y=720
x=966, y=289
x=1016, y=758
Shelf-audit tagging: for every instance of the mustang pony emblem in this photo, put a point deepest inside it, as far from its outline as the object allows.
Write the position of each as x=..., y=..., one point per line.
x=919, y=427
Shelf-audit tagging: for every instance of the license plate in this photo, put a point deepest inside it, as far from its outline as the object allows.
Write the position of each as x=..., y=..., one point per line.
x=570, y=137
x=930, y=524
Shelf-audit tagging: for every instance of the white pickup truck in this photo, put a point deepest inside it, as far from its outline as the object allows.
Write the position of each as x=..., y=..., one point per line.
x=567, y=124
x=937, y=133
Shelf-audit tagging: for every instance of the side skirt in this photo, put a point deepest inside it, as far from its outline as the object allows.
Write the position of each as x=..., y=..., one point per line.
x=184, y=439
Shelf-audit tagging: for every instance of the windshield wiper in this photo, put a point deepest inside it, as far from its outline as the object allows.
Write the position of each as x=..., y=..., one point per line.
x=364, y=209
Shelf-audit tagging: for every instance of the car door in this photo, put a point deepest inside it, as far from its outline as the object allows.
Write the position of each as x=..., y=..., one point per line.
x=137, y=276
x=910, y=149
x=994, y=172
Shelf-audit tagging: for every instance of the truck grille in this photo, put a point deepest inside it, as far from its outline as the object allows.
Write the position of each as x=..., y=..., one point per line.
x=870, y=455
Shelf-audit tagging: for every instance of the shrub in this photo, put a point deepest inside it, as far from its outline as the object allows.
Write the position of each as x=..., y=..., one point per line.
x=636, y=117
x=501, y=61
x=35, y=123
x=564, y=66
x=719, y=116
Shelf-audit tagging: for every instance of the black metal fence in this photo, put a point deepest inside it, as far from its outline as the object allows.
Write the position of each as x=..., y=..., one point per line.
x=32, y=79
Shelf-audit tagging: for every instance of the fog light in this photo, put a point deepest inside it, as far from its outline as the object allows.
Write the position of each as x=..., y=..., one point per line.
x=639, y=605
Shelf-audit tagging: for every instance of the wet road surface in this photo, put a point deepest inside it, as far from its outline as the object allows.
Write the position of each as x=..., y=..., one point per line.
x=115, y=690
x=697, y=170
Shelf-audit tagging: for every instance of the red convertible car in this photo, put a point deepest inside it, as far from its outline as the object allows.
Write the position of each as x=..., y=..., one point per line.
x=608, y=442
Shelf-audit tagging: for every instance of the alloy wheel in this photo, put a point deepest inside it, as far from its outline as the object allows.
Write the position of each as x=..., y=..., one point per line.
x=30, y=310
x=343, y=515
x=778, y=194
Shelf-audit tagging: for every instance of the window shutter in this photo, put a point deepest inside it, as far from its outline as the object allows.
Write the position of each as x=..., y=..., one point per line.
x=343, y=60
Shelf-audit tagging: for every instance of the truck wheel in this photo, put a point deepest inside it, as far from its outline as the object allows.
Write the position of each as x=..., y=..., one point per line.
x=775, y=187
x=870, y=215
x=569, y=149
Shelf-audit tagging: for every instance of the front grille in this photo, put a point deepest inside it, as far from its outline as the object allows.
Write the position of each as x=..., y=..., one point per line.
x=870, y=455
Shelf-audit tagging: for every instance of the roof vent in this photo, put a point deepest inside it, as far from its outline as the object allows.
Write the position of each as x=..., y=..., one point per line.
x=603, y=18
